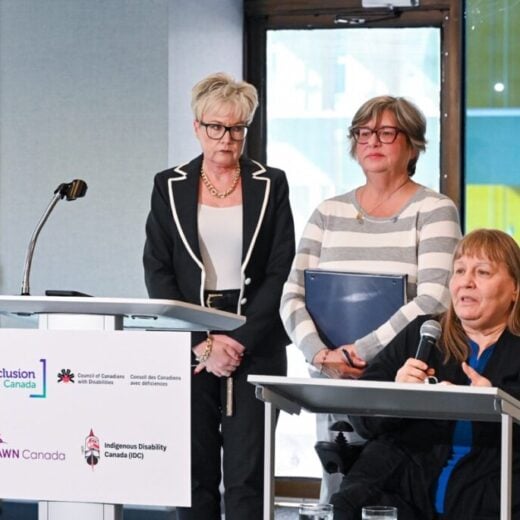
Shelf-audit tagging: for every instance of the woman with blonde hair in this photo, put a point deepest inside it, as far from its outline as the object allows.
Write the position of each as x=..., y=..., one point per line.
x=220, y=234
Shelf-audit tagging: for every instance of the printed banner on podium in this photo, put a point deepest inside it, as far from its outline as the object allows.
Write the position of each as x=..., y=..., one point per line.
x=95, y=416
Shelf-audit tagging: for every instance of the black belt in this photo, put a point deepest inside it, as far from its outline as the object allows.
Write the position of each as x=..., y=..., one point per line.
x=223, y=300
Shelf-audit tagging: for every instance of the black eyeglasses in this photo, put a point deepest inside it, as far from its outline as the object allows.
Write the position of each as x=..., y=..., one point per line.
x=385, y=134
x=216, y=131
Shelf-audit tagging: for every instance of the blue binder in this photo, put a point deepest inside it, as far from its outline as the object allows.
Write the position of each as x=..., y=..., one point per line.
x=347, y=306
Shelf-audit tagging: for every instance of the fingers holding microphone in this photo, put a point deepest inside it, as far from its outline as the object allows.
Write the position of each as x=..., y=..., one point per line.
x=414, y=371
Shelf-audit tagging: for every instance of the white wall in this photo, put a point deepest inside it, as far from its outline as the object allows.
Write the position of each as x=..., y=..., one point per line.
x=97, y=89
x=205, y=37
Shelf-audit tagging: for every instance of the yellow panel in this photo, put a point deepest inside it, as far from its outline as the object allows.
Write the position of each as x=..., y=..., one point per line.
x=493, y=206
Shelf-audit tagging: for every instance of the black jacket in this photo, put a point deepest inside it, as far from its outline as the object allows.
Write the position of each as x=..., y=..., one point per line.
x=415, y=451
x=172, y=259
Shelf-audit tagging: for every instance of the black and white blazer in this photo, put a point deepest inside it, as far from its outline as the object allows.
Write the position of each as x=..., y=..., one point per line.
x=173, y=263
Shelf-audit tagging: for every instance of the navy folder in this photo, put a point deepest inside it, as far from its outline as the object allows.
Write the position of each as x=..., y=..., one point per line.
x=347, y=306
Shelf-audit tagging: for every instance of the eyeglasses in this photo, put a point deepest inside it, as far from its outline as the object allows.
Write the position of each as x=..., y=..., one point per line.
x=216, y=131
x=385, y=134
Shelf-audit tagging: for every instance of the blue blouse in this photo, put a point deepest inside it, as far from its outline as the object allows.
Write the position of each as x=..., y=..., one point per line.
x=463, y=433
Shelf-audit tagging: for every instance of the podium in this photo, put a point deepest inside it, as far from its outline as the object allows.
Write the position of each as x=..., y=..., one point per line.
x=90, y=325
x=387, y=399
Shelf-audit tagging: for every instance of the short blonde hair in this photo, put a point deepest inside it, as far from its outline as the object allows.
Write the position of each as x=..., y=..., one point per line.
x=221, y=89
x=500, y=248
x=409, y=119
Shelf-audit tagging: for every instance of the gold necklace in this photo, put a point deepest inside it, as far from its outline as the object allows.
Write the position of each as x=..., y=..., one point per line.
x=211, y=188
x=362, y=213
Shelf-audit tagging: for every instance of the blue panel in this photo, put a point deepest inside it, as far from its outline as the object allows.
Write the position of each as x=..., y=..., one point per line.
x=492, y=148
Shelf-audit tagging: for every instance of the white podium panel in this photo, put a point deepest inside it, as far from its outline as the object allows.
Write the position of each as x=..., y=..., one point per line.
x=99, y=417
x=120, y=432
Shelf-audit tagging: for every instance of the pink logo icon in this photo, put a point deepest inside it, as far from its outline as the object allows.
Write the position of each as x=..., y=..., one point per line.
x=91, y=450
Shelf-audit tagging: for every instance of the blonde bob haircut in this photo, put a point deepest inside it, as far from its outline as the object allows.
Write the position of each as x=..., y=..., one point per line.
x=410, y=120
x=220, y=89
x=495, y=246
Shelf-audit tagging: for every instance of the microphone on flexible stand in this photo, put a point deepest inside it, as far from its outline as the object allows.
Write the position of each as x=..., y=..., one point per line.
x=72, y=191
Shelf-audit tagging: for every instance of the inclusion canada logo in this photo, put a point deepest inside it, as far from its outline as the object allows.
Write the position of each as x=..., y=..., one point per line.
x=20, y=379
x=91, y=449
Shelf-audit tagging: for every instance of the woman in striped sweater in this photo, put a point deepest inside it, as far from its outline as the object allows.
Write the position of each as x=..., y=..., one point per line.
x=391, y=224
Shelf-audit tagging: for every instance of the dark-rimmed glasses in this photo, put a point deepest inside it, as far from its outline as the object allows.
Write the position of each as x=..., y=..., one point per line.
x=216, y=131
x=385, y=134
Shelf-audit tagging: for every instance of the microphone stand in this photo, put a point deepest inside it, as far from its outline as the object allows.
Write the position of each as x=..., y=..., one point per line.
x=72, y=190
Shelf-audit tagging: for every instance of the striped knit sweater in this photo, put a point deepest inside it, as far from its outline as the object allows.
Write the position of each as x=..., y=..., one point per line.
x=419, y=241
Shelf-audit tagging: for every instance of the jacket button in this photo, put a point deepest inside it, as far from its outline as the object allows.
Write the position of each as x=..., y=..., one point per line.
x=243, y=301
x=247, y=281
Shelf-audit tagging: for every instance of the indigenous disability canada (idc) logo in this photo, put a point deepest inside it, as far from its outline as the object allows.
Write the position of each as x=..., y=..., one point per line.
x=91, y=449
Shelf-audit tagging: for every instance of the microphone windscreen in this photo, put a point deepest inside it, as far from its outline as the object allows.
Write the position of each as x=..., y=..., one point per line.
x=431, y=328
x=76, y=189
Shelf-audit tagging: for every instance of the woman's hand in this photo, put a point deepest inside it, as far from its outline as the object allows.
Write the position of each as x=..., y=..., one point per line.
x=475, y=378
x=226, y=356
x=414, y=371
x=335, y=364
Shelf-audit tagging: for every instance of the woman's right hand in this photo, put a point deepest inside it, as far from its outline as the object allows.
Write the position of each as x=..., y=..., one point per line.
x=332, y=363
x=226, y=356
x=413, y=371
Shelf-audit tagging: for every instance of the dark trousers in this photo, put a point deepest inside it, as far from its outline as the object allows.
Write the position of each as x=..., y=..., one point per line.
x=377, y=478
x=240, y=437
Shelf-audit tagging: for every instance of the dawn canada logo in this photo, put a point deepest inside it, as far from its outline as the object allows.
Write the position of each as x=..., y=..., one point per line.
x=34, y=455
x=19, y=379
x=91, y=449
x=65, y=376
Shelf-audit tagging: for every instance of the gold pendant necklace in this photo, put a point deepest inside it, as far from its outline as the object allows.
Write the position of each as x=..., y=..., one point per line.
x=211, y=188
x=362, y=213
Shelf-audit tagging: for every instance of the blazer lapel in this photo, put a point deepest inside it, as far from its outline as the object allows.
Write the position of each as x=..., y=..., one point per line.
x=255, y=193
x=184, y=200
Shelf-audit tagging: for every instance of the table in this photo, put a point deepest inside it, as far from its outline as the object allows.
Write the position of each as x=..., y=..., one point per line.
x=390, y=400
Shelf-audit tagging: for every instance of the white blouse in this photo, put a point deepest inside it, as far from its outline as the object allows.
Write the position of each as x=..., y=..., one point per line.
x=220, y=240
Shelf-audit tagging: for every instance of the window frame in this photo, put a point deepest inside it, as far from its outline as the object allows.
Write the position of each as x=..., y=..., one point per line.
x=264, y=15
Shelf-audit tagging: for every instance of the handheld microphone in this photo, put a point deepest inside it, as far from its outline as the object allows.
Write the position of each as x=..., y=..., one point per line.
x=72, y=191
x=430, y=332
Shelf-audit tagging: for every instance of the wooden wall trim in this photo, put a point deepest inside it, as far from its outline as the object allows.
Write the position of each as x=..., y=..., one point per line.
x=311, y=7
